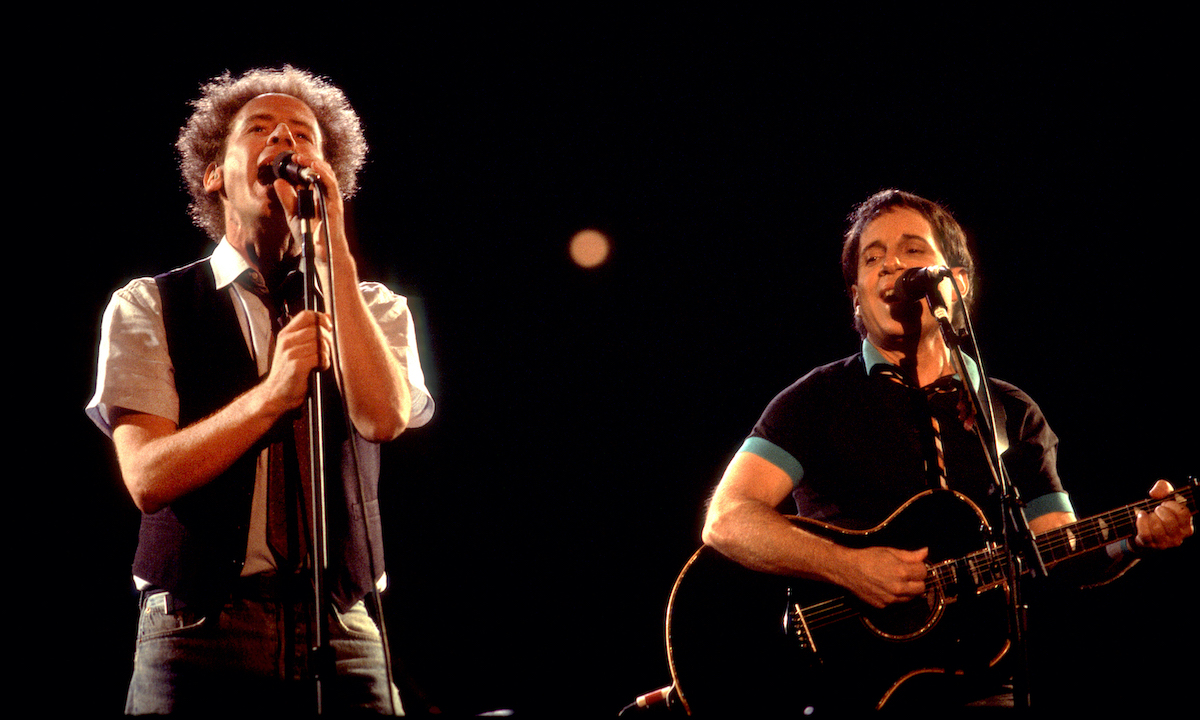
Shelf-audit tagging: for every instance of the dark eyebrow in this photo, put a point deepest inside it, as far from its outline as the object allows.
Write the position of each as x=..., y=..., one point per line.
x=905, y=236
x=867, y=246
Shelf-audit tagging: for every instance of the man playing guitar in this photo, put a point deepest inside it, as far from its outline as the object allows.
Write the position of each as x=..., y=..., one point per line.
x=854, y=440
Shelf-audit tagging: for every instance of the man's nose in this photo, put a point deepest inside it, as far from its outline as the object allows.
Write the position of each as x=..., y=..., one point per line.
x=892, y=263
x=282, y=135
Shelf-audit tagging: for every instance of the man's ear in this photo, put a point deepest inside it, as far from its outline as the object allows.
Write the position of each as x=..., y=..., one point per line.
x=214, y=178
x=963, y=280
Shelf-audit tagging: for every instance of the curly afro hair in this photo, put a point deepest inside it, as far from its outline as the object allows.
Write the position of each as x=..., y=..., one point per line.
x=202, y=140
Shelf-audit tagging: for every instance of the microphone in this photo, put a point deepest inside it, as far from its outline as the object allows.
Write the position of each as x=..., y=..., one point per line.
x=285, y=168
x=916, y=283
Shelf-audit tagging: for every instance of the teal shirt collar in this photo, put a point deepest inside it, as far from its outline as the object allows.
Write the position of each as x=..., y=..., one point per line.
x=872, y=357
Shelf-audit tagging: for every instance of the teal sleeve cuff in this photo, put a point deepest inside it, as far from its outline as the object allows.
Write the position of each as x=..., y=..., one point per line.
x=1048, y=503
x=775, y=455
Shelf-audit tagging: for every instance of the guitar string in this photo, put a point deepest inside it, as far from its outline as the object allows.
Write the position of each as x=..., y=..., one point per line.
x=1107, y=527
x=940, y=576
x=984, y=567
x=837, y=609
x=986, y=574
x=1088, y=535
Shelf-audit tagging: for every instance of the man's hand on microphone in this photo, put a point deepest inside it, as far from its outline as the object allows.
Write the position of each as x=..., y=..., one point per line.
x=290, y=199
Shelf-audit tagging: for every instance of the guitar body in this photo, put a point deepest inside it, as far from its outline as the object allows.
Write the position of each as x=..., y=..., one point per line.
x=740, y=641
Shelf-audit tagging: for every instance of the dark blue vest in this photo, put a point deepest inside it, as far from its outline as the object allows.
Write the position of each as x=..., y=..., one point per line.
x=196, y=547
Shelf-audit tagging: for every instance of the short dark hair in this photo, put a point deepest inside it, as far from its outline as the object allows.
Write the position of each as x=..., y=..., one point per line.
x=948, y=234
x=202, y=139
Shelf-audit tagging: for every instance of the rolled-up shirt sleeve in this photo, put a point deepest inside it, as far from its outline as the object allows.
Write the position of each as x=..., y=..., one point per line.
x=392, y=313
x=133, y=366
x=134, y=370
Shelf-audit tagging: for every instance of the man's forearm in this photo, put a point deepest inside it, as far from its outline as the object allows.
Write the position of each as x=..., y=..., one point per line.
x=373, y=380
x=161, y=463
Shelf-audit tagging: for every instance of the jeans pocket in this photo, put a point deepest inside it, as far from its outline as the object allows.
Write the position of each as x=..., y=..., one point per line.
x=356, y=623
x=156, y=622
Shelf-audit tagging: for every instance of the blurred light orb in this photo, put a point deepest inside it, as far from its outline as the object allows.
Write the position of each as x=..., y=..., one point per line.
x=589, y=248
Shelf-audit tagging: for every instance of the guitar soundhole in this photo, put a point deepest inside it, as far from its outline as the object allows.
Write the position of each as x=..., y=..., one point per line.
x=905, y=621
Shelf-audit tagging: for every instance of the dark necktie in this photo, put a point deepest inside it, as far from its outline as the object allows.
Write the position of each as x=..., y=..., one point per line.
x=288, y=473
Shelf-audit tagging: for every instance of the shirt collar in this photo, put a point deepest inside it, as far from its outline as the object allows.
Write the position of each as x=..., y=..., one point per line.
x=227, y=264
x=872, y=357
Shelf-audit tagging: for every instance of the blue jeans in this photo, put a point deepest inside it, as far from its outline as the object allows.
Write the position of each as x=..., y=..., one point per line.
x=254, y=657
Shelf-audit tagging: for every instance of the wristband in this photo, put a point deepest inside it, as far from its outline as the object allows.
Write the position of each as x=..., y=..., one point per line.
x=1122, y=549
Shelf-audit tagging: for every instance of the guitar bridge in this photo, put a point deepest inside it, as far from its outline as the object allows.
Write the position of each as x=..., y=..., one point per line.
x=795, y=626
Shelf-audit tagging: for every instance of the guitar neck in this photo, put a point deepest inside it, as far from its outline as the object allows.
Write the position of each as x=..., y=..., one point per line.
x=1098, y=531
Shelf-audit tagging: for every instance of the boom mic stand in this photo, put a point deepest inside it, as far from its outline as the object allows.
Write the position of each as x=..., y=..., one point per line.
x=1020, y=551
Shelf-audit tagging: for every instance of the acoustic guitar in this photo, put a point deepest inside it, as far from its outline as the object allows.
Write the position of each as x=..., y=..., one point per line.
x=740, y=640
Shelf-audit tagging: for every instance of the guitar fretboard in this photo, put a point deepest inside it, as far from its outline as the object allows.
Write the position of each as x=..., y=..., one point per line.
x=984, y=569
x=1098, y=531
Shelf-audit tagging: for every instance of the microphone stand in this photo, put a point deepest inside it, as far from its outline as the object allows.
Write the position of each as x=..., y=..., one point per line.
x=321, y=653
x=1016, y=539
x=320, y=650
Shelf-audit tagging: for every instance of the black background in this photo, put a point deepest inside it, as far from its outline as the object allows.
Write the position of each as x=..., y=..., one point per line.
x=535, y=527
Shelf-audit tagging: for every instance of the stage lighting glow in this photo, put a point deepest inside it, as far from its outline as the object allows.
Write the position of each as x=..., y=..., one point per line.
x=589, y=248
